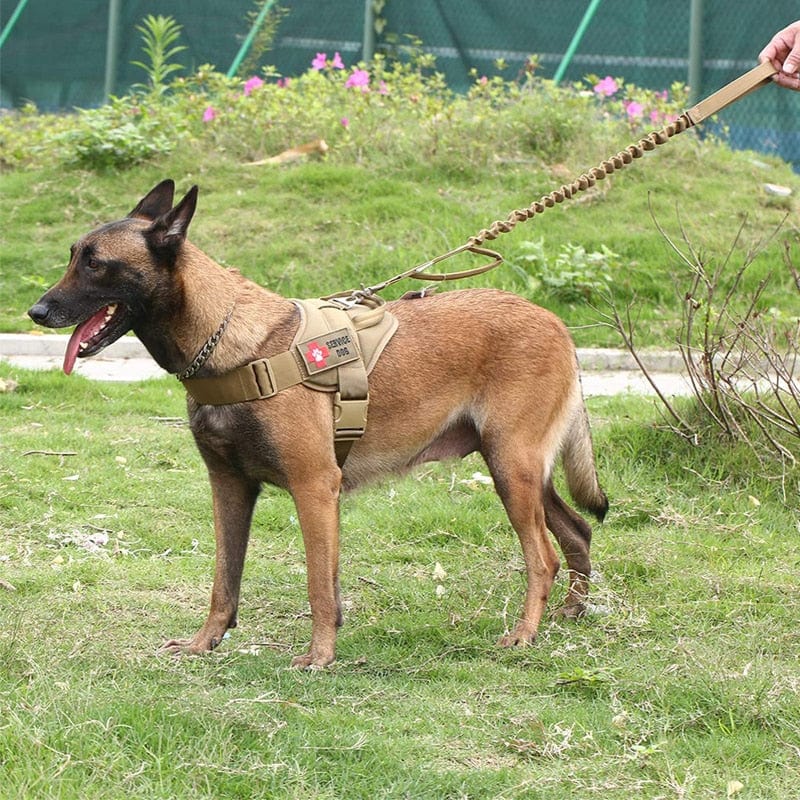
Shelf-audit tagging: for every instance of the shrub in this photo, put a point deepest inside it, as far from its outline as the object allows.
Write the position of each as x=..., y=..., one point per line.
x=113, y=136
x=741, y=357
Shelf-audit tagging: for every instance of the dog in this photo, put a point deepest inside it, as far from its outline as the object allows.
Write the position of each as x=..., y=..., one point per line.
x=468, y=370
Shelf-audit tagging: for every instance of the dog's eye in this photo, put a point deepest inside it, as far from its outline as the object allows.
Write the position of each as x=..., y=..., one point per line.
x=93, y=265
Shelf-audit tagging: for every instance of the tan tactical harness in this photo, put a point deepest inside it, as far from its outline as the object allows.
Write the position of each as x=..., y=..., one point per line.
x=335, y=348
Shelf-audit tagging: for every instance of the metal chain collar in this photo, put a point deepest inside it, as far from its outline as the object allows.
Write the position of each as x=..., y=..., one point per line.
x=207, y=349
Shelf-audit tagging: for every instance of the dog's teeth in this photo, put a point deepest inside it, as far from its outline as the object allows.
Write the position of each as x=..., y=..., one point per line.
x=111, y=309
x=83, y=345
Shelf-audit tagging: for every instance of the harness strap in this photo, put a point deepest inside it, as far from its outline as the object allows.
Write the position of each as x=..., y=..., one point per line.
x=351, y=400
x=257, y=380
x=265, y=377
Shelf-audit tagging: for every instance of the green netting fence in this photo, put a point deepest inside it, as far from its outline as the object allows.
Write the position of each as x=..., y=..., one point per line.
x=62, y=55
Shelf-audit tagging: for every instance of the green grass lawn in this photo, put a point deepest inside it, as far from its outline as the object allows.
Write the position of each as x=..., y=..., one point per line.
x=682, y=682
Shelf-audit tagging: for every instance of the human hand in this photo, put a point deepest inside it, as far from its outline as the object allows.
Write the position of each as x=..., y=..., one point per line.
x=784, y=53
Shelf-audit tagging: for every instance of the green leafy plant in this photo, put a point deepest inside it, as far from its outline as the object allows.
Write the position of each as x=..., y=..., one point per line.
x=159, y=35
x=113, y=136
x=574, y=274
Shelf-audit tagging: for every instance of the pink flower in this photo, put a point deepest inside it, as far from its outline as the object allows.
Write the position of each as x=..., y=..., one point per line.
x=633, y=109
x=284, y=82
x=319, y=62
x=345, y=122
x=253, y=83
x=209, y=114
x=655, y=116
x=337, y=62
x=359, y=77
x=383, y=88
x=606, y=87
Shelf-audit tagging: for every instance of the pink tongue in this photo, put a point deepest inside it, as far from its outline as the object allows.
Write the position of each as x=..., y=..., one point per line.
x=83, y=333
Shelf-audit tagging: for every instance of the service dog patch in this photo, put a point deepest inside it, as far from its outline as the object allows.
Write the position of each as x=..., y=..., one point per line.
x=328, y=351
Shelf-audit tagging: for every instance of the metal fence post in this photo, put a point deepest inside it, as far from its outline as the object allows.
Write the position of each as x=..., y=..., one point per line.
x=12, y=21
x=576, y=40
x=695, y=75
x=112, y=49
x=251, y=35
x=368, y=46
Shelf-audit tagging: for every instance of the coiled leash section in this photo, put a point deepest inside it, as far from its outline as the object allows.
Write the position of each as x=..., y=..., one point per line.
x=728, y=94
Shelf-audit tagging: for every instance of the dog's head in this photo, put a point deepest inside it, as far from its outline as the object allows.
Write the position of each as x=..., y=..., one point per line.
x=117, y=272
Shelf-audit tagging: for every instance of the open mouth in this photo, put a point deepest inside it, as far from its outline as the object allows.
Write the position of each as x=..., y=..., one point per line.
x=100, y=330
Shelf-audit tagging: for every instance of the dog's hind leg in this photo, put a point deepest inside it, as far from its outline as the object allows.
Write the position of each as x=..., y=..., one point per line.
x=519, y=483
x=234, y=499
x=574, y=535
x=317, y=502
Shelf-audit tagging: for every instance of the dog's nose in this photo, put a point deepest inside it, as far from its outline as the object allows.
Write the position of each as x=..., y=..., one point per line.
x=38, y=313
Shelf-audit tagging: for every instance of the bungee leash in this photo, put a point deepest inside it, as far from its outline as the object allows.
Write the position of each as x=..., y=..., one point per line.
x=730, y=93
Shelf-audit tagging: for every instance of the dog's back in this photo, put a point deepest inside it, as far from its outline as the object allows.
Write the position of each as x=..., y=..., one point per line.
x=466, y=366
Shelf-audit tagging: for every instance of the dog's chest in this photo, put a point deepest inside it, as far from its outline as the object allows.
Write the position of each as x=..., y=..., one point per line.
x=236, y=438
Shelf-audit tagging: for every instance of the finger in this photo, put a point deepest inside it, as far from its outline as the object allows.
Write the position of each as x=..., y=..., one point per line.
x=767, y=54
x=791, y=64
x=789, y=81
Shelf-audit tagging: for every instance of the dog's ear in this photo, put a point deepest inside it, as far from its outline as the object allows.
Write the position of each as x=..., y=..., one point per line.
x=168, y=232
x=156, y=202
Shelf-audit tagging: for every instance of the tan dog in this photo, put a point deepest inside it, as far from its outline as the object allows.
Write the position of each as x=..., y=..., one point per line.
x=475, y=370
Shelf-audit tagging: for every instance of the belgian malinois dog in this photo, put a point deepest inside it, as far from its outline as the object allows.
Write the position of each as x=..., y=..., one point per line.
x=472, y=370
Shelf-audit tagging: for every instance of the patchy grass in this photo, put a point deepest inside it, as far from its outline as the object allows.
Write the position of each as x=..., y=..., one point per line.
x=683, y=680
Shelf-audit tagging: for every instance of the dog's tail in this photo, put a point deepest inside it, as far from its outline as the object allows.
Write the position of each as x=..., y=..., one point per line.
x=577, y=454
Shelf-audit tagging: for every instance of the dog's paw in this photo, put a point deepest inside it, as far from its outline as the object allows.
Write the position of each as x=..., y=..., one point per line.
x=570, y=611
x=522, y=636
x=189, y=647
x=310, y=661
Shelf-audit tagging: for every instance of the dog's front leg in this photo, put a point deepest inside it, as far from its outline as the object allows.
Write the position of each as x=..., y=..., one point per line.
x=234, y=499
x=317, y=501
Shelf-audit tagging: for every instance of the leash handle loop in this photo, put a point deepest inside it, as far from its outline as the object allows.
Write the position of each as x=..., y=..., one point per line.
x=731, y=92
x=420, y=274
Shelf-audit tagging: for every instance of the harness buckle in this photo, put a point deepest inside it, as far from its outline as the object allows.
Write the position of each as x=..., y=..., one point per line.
x=264, y=377
x=349, y=418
